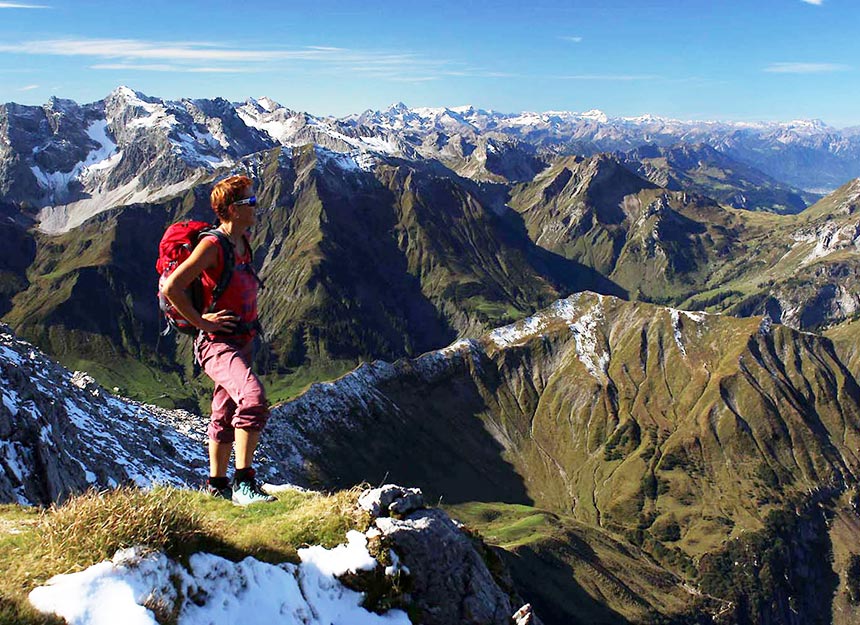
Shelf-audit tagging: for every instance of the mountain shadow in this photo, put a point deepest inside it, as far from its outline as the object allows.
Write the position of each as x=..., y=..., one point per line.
x=422, y=427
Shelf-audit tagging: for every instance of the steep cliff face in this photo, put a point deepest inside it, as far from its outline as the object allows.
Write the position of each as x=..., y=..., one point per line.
x=781, y=574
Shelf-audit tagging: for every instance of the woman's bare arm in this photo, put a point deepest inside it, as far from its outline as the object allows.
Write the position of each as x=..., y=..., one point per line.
x=204, y=256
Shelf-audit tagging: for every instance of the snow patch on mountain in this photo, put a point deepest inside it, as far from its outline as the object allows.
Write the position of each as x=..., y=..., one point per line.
x=522, y=330
x=588, y=343
x=566, y=310
x=583, y=325
x=56, y=183
x=189, y=148
x=157, y=114
x=676, y=330
x=346, y=161
x=62, y=218
x=292, y=129
x=266, y=115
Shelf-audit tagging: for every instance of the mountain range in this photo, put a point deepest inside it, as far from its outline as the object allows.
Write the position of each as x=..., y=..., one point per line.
x=129, y=147
x=626, y=348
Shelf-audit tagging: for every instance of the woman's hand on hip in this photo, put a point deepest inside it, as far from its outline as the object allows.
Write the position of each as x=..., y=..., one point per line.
x=220, y=321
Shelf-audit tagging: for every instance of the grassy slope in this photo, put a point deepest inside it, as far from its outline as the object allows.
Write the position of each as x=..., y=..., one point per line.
x=846, y=340
x=659, y=245
x=776, y=261
x=572, y=572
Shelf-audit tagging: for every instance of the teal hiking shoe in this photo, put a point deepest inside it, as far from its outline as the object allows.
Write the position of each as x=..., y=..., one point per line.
x=248, y=491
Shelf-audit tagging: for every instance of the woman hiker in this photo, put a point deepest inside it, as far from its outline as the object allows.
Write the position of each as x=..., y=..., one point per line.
x=225, y=342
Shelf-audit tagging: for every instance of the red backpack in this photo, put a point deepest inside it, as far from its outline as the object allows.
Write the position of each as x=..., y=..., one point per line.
x=175, y=247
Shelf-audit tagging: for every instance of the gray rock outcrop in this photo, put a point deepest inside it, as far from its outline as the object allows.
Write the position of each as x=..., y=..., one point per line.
x=449, y=582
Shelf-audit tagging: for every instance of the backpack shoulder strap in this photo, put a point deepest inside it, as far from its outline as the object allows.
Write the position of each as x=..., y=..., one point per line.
x=251, y=261
x=229, y=262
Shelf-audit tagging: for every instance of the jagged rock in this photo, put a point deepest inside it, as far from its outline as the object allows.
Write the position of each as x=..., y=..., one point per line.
x=84, y=381
x=392, y=499
x=449, y=581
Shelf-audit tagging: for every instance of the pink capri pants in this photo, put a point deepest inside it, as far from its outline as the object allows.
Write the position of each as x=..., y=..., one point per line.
x=239, y=400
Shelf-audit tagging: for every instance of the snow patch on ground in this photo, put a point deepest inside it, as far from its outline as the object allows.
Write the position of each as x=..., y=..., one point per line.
x=349, y=558
x=214, y=590
x=11, y=455
x=10, y=399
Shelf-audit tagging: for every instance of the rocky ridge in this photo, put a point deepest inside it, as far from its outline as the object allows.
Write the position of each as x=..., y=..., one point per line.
x=731, y=390
x=439, y=586
x=61, y=433
x=71, y=162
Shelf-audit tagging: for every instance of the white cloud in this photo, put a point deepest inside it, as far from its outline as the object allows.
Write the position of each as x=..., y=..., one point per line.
x=576, y=39
x=201, y=56
x=806, y=68
x=411, y=79
x=165, y=67
x=136, y=49
x=28, y=88
x=815, y=2
x=18, y=5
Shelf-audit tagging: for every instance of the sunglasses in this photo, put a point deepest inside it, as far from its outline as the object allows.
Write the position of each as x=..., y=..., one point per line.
x=250, y=201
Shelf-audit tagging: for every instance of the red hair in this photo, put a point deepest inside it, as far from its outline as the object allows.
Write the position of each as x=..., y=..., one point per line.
x=226, y=192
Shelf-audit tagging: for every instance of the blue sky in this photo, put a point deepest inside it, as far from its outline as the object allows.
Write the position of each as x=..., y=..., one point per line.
x=692, y=59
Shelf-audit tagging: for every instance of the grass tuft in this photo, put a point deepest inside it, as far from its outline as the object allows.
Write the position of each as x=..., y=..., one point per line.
x=91, y=527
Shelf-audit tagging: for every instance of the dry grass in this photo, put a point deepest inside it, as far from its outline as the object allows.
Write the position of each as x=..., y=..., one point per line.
x=93, y=526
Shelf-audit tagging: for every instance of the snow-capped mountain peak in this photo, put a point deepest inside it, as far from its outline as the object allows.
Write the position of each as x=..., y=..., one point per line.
x=75, y=161
x=268, y=104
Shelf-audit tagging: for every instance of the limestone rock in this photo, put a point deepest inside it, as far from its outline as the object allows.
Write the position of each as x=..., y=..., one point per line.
x=391, y=499
x=61, y=433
